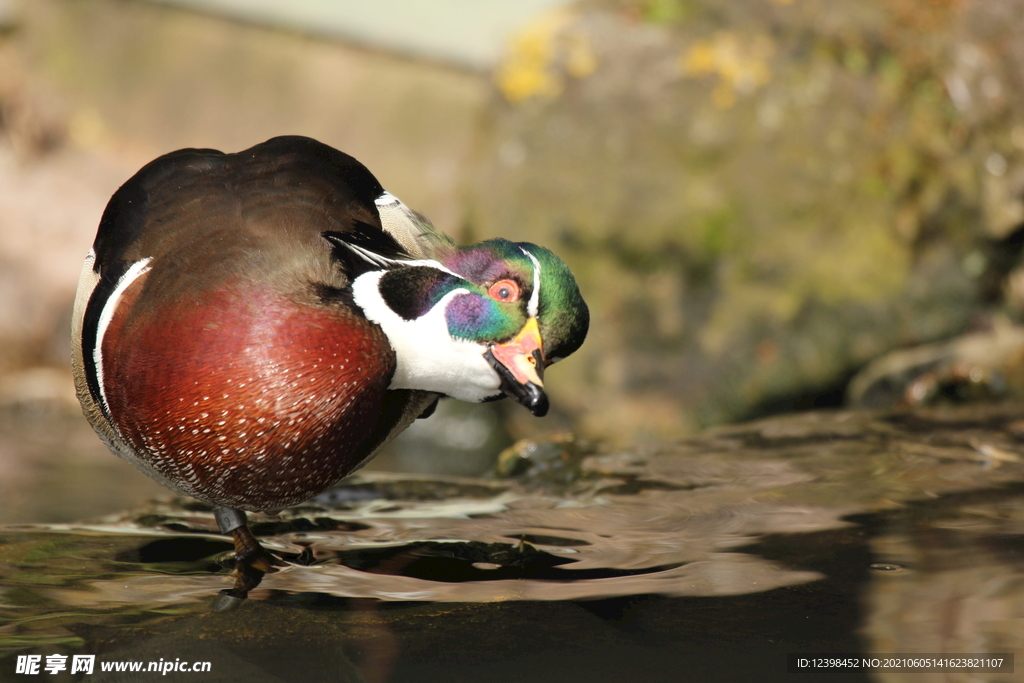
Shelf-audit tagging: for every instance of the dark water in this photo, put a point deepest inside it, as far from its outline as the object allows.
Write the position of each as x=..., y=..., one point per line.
x=705, y=561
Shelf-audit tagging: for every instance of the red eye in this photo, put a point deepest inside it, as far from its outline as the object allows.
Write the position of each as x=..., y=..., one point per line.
x=505, y=291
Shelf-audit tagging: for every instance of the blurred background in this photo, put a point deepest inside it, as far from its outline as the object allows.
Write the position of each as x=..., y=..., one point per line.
x=770, y=205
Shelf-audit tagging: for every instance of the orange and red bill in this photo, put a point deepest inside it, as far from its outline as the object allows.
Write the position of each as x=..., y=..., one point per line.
x=520, y=365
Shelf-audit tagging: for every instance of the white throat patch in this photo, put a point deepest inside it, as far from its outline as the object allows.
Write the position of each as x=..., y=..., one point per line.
x=427, y=357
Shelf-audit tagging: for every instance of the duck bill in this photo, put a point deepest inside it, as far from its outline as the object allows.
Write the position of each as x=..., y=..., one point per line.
x=520, y=365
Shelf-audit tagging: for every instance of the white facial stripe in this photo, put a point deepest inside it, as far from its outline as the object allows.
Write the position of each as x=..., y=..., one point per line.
x=137, y=270
x=427, y=357
x=534, y=305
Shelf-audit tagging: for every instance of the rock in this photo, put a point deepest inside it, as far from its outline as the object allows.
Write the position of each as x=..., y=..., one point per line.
x=985, y=365
x=758, y=197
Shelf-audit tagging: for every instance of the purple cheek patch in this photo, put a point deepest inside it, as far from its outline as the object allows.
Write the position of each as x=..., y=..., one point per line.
x=466, y=314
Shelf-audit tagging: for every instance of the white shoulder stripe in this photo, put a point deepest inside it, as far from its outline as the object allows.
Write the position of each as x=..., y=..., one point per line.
x=137, y=270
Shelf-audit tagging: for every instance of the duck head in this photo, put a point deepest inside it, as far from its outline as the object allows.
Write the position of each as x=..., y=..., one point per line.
x=475, y=323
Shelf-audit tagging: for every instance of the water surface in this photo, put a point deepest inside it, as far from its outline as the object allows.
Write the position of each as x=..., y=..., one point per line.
x=707, y=560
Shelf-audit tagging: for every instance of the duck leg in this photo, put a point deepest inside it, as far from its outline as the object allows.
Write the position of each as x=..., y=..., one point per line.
x=252, y=560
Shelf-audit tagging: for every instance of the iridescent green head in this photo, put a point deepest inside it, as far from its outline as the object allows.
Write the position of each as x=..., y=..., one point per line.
x=512, y=282
x=474, y=322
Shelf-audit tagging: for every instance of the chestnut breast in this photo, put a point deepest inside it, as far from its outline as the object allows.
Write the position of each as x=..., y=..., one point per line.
x=245, y=397
x=219, y=341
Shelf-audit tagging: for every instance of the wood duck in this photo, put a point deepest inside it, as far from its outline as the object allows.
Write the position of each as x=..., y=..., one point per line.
x=252, y=327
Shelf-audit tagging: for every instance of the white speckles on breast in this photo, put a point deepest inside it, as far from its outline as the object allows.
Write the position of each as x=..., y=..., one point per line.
x=265, y=427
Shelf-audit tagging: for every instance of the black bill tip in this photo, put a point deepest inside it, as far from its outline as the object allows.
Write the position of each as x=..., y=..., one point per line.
x=529, y=395
x=535, y=400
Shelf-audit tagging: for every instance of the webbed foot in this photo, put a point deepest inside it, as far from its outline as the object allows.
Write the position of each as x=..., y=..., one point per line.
x=252, y=560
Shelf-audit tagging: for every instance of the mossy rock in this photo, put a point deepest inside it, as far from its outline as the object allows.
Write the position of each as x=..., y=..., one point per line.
x=757, y=197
